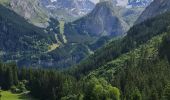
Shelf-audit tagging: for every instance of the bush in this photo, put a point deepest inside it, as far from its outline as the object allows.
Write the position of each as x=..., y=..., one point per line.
x=14, y=89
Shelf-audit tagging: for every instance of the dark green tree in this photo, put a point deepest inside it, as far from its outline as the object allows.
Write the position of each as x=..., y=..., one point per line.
x=9, y=78
x=167, y=92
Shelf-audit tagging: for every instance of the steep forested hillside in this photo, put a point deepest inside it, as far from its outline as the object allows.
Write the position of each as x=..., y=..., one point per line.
x=18, y=37
x=139, y=73
x=16, y=32
x=136, y=36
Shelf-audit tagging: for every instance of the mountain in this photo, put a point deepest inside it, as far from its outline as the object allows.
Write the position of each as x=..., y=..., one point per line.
x=157, y=7
x=38, y=12
x=69, y=10
x=103, y=20
x=106, y=19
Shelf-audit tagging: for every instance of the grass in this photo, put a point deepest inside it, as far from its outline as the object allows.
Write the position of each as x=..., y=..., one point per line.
x=53, y=47
x=62, y=31
x=7, y=95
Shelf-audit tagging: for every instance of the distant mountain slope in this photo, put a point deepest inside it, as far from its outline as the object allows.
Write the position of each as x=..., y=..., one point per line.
x=155, y=8
x=31, y=10
x=18, y=37
x=104, y=20
x=69, y=10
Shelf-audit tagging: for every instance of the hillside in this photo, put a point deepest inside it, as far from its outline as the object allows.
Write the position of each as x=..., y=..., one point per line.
x=140, y=72
x=18, y=38
x=136, y=36
x=157, y=7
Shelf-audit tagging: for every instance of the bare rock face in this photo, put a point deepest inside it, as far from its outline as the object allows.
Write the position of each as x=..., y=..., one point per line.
x=104, y=20
x=157, y=7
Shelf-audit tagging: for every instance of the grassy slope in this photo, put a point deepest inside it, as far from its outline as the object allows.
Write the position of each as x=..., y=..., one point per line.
x=6, y=95
x=62, y=31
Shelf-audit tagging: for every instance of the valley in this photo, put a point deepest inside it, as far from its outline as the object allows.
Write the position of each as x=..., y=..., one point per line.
x=85, y=50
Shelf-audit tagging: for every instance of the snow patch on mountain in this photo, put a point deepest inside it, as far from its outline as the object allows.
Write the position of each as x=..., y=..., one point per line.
x=95, y=1
x=123, y=3
x=53, y=0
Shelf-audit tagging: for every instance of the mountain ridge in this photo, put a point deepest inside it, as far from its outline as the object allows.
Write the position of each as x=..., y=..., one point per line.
x=157, y=7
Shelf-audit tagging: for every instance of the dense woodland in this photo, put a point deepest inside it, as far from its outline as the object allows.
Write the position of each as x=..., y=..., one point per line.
x=141, y=76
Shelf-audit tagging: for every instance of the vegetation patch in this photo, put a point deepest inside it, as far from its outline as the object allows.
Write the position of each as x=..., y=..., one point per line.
x=7, y=95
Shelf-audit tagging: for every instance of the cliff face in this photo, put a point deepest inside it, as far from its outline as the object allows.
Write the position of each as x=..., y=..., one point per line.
x=103, y=20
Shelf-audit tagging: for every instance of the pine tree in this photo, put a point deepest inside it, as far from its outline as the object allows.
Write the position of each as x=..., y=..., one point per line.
x=9, y=78
x=167, y=92
x=15, y=73
x=136, y=95
x=1, y=74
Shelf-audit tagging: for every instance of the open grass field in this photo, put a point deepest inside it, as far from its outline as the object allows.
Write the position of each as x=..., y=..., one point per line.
x=6, y=95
